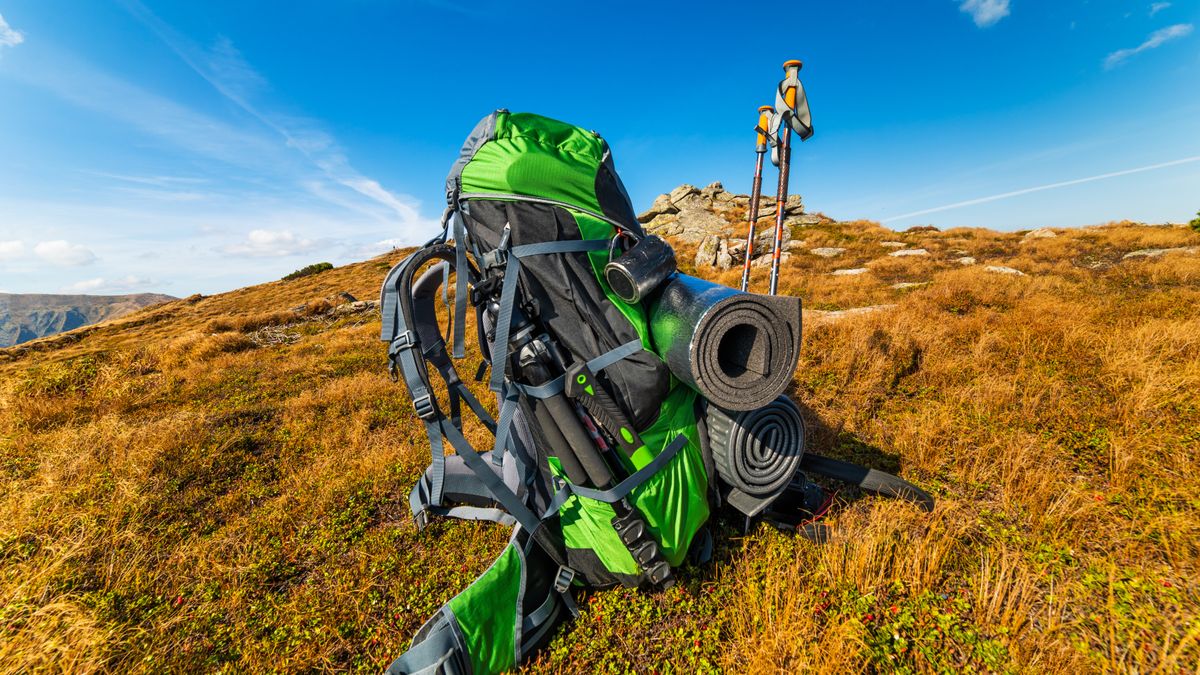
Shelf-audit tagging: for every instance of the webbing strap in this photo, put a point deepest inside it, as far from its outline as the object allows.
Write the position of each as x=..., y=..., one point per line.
x=507, y=498
x=508, y=292
x=623, y=488
x=440, y=652
x=460, y=288
x=595, y=365
x=508, y=408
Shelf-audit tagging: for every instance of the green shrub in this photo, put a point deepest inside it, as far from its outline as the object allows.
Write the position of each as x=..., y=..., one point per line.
x=1196, y=222
x=308, y=270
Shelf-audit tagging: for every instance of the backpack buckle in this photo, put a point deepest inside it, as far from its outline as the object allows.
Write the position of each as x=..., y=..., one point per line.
x=562, y=581
x=426, y=409
x=403, y=341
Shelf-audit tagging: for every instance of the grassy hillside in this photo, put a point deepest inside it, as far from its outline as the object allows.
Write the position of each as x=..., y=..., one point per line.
x=221, y=483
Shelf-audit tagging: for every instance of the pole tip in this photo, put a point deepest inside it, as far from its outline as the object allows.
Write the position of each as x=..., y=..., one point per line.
x=794, y=63
x=765, y=108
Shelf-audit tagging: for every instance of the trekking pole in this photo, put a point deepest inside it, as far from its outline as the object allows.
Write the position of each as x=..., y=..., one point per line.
x=763, y=129
x=791, y=109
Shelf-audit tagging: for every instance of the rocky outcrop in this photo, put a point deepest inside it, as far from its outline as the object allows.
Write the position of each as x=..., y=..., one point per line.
x=707, y=216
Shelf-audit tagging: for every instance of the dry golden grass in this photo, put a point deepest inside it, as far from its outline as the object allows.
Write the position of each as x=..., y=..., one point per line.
x=179, y=495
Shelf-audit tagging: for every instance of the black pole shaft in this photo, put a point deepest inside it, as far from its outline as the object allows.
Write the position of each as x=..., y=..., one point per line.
x=785, y=165
x=755, y=195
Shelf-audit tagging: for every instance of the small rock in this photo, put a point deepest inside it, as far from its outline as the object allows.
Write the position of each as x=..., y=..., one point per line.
x=827, y=251
x=965, y=260
x=346, y=297
x=908, y=284
x=1040, y=233
x=999, y=269
x=893, y=244
x=765, y=260
x=794, y=244
x=1156, y=252
x=850, y=273
x=824, y=315
x=908, y=252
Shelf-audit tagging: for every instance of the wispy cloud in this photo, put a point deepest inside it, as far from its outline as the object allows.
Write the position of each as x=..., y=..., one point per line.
x=9, y=36
x=985, y=12
x=1156, y=39
x=1158, y=7
x=156, y=181
x=1041, y=188
x=270, y=244
x=11, y=250
x=224, y=67
x=62, y=252
x=127, y=284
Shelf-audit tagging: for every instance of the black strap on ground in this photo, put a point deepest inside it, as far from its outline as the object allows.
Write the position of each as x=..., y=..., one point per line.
x=871, y=480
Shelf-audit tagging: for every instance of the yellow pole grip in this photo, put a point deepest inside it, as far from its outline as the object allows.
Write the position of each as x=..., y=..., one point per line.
x=764, y=121
x=791, y=68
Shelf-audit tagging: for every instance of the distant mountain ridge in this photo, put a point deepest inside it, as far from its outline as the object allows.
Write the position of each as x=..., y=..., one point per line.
x=25, y=317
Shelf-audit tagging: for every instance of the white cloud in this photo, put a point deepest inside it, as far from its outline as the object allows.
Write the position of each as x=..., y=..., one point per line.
x=61, y=252
x=1156, y=39
x=1158, y=7
x=9, y=37
x=985, y=12
x=127, y=284
x=375, y=248
x=270, y=244
x=11, y=250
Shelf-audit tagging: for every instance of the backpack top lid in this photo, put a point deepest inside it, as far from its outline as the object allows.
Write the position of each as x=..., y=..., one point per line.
x=533, y=156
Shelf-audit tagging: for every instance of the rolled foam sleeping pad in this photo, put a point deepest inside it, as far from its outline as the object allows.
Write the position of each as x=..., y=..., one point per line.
x=737, y=349
x=756, y=452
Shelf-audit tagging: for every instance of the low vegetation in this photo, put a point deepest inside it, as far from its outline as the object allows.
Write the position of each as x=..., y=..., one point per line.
x=178, y=495
x=315, y=268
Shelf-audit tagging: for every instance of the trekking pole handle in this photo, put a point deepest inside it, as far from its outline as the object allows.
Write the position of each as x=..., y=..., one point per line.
x=791, y=69
x=764, y=127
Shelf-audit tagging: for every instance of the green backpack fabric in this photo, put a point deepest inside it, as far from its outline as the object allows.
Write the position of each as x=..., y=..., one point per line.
x=535, y=209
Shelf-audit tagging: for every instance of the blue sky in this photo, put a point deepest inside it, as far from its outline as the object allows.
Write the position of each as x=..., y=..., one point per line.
x=189, y=147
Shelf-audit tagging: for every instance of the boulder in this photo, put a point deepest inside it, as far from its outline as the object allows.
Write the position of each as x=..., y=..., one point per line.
x=662, y=204
x=1040, y=233
x=827, y=251
x=706, y=255
x=724, y=259
x=682, y=192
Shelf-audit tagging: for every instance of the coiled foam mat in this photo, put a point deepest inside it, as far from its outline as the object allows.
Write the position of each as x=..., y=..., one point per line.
x=737, y=349
x=757, y=452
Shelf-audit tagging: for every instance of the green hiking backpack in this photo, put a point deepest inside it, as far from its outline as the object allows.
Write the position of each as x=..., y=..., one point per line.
x=535, y=205
x=605, y=460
